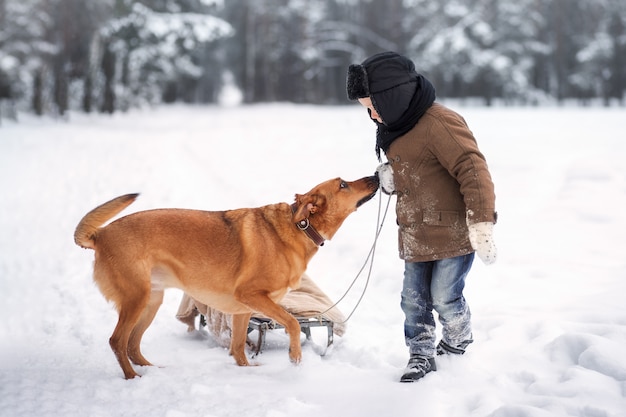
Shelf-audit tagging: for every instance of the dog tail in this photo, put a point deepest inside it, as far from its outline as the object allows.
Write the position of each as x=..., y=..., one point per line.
x=85, y=233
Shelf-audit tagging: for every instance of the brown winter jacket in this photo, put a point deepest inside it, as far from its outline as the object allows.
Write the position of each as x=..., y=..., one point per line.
x=440, y=177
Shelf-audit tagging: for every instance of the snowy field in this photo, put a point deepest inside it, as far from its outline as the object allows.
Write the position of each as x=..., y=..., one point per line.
x=549, y=316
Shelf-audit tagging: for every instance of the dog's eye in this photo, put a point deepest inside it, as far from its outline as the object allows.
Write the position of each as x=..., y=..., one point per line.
x=343, y=184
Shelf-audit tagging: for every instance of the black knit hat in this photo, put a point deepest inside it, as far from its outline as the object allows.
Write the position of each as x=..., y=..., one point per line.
x=378, y=73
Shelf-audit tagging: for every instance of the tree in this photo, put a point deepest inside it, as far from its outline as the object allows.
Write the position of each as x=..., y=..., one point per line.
x=598, y=70
x=481, y=48
x=115, y=54
x=25, y=52
x=161, y=55
x=616, y=80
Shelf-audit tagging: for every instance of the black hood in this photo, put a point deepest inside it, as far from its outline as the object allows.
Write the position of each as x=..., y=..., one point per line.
x=399, y=94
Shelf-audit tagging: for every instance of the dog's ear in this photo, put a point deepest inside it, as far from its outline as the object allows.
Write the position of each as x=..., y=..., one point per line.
x=305, y=207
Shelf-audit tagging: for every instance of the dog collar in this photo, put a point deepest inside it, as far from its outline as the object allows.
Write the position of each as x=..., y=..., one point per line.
x=308, y=229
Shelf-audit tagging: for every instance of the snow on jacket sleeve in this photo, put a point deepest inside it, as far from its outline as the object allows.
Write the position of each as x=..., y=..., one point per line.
x=456, y=149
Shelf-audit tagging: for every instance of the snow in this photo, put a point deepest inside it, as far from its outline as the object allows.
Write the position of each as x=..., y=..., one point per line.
x=549, y=321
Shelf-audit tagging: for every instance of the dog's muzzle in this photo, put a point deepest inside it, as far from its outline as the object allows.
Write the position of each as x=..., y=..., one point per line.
x=372, y=182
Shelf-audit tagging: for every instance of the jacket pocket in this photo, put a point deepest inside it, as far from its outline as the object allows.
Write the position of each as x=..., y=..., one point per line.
x=441, y=218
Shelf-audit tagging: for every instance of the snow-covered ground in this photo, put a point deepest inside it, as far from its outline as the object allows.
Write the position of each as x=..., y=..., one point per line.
x=549, y=316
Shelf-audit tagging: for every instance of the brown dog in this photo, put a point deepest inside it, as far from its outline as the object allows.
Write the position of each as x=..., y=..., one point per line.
x=237, y=261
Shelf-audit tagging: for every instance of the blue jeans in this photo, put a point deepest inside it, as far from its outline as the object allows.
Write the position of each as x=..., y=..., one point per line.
x=436, y=285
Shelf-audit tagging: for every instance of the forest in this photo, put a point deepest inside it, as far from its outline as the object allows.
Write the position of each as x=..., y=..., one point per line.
x=113, y=55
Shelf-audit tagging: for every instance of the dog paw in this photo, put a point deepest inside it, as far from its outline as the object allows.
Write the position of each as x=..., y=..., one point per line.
x=242, y=361
x=295, y=355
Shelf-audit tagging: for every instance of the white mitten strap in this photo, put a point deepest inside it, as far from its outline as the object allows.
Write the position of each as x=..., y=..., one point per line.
x=481, y=238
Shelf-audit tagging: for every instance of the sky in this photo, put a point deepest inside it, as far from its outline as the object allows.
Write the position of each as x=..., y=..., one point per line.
x=548, y=318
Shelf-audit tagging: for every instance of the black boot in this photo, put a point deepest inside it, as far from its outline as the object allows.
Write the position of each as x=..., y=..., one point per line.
x=417, y=367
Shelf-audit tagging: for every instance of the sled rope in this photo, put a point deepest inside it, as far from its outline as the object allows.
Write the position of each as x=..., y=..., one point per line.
x=370, y=258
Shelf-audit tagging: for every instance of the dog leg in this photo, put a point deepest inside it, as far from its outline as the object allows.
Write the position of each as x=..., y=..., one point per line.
x=129, y=314
x=238, y=338
x=134, y=348
x=263, y=304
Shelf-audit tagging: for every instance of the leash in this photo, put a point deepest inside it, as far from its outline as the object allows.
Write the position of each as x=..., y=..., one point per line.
x=370, y=258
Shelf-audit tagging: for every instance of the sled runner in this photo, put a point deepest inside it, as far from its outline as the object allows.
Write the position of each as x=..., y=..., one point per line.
x=262, y=325
x=308, y=304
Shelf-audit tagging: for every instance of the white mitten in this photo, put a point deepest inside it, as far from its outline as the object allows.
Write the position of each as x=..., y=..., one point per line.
x=481, y=238
x=385, y=176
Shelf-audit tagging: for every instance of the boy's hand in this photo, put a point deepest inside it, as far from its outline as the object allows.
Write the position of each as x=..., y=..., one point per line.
x=481, y=238
x=385, y=176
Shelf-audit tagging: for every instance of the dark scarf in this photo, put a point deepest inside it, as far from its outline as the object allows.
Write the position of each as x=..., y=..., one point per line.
x=422, y=99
